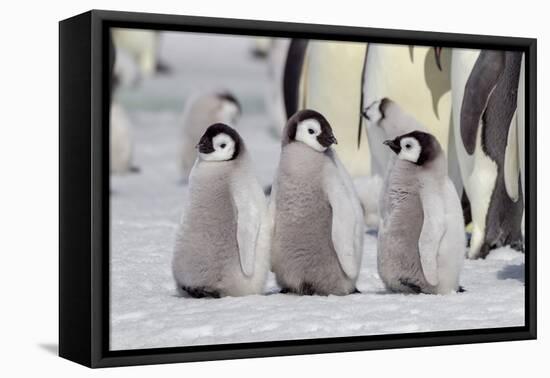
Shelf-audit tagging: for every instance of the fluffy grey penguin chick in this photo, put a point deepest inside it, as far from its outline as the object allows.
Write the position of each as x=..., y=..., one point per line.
x=201, y=111
x=318, y=227
x=222, y=243
x=421, y=240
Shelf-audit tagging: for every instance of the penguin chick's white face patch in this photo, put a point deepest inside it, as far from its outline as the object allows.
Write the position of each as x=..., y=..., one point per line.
x=410, y=150
x=307, y=132
x=224, y=148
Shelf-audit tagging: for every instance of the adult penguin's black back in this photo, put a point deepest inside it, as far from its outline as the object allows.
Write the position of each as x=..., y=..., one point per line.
x=503, y=219
x=292, y=74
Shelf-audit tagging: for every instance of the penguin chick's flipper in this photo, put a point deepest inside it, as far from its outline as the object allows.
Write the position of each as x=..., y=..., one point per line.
x=249, y=216
x=347, y=219
x=432, y=230
x=200, y=292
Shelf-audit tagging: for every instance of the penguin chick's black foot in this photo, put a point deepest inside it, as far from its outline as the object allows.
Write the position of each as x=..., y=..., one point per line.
x=305, y=289
x=200, y=292
x=411, y=286
x=355, y=291
x=461, y=290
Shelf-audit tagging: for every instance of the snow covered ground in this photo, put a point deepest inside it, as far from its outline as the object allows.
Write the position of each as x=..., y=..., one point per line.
x=146, y=207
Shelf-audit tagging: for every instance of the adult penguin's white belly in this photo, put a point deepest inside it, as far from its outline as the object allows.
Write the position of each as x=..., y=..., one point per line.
x=478, y=171
x=411, y=77
x=332, y=86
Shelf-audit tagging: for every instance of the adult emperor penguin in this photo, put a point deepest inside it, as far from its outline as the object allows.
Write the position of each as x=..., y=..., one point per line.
x=331, y=85
x=387, y=120
x=421, y=240
x=221, y=247
x=274, y=98
x=121, y=142
x=202, y=110
x=485, y=98
x=418, y=78
x=293, y=76
x=318, y=224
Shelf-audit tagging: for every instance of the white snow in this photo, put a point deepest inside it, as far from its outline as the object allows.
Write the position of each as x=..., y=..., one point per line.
x=146, y=208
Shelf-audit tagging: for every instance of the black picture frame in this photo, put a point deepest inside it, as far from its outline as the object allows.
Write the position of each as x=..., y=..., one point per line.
x=84, y=189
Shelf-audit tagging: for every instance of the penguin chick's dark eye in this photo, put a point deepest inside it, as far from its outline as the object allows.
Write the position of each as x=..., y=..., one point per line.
x=222, y=145
x=310, y=131
x=407, y=146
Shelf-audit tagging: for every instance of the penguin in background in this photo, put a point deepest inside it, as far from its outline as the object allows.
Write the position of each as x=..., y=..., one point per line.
x=274, y=98
x=222, y=243
x=331, y=84
x=418, y=78
x=120, y=127
x=202, y=110
x=317, y=229
x=121, y=142
x=388, y=121
x=260, y=47
x=138, y=52
x=485, y=99
x=294, y=75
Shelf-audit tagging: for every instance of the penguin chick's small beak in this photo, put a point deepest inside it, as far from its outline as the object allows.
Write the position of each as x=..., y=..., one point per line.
x=393, y=145
x=204, y=147
x=326, y=139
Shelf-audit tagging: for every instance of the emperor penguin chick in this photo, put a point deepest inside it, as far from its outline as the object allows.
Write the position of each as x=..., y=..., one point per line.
x=201, y=111
x=318, y=222
x=221, y=246
x=421, y=240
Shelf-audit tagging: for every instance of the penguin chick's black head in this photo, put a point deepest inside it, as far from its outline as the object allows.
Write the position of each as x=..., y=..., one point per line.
x=227, y=96
x=417, y=147
x=220, y=142
x=311, y=128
